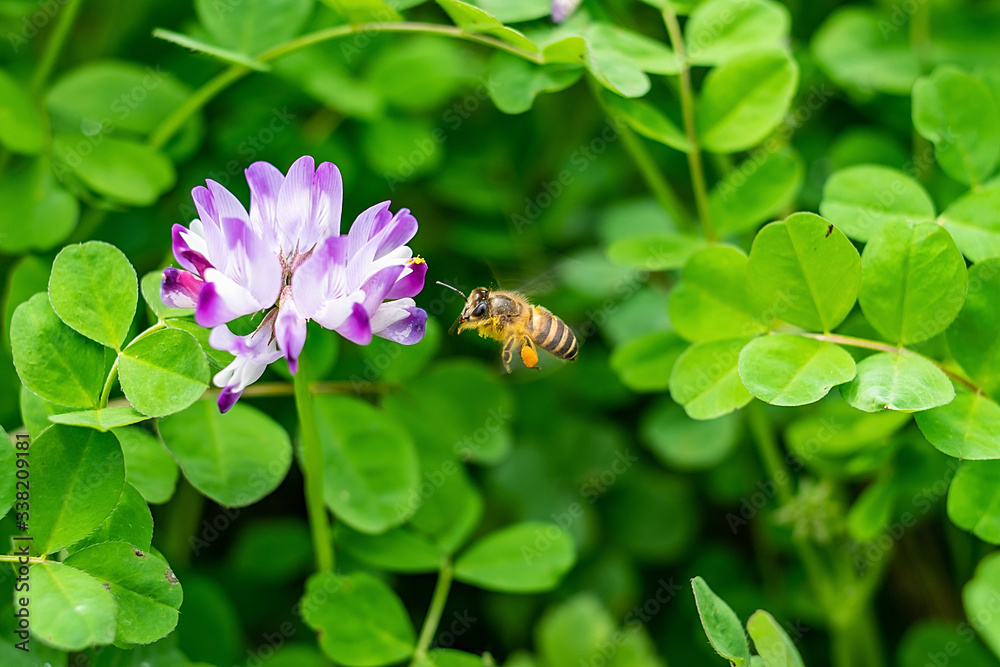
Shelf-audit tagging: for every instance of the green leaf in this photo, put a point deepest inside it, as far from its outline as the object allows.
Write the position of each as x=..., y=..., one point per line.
x=516, y=11
x=446, y=657
x=721, y=30
x=939, y=640
x=88, y=468
x=853, y=49
x=25, y=278
x=149, y=467
x=805, y=272
x=711, y=301
x=163, y=372
x=52, y=360
x=473, y=19
x=974, y=336
x=479, y=411
x=396, y=550
x=370, y=465
x=20, y=125
x=255, y=558
x=125, y=171
x=70, y=609
x=236, y=458
x=363, y=11
x=773, y=644
x=36, y=411
x=613, y=69
x=648, y=55
x=898, y=381
x=723, y=628
x=760, y=187
x=143, y=586
x=527, y=557
x=360, y=620
x=130, y=521
x=93, y=289
x=956, y=112
x=644, y=363
x=448, y=505
x=872, y=511
x=225, y=55
x=744, y=99
x=217, y=359
x=705, y=379
x=966, y=428
x=574, y=632
x=655, y=252
x=859, y=200
x=974, y=222
x=253, y=26
x=974, y=499
x=516, y=82
x=784, y=369
x=646, y=120
x=914, y=281
x=37, y=212
x=979, y=597
x=117, y=95
x=104, y=419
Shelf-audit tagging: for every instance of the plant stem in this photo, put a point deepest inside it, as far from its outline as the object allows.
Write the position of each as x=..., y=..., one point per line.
x=851, y=341
x=52, y=48
x=687, y=109
x=920, y=39
x=217, y=84
x=110, y=382
x=183, y=516
x=312, y=471
x=434, y=612
x=659, y=186
x=11, y=558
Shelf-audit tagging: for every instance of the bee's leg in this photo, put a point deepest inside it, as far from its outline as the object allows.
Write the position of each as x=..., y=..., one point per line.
x=508, y=352
x=528, y=353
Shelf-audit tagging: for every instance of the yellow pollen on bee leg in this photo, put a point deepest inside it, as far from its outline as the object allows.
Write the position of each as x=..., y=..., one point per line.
x=529, y=356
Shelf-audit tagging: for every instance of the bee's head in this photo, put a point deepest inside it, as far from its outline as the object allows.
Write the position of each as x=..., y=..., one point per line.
x=476, y=306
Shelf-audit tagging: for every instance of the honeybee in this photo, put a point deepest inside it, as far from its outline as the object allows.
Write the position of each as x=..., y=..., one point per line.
x=509, y=318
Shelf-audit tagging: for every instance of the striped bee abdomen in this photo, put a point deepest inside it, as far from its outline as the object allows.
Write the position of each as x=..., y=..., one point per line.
x=551, y=334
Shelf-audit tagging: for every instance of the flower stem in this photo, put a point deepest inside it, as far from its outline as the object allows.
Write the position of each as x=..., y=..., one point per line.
x=53, y=47
x=11, y=558
x=659, y=186
x=109, y=383
x=434, y=612
x=221, y=81
x=312, y=471
x=687, y=109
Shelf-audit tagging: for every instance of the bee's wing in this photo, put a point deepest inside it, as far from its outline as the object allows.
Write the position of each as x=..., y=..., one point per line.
x=453, y=329
x=538, y=284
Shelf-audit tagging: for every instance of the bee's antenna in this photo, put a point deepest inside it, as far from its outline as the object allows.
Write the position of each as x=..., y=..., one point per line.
x=451, y=288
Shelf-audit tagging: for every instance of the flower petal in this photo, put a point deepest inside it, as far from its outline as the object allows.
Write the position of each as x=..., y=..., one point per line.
x=290, y=332
x=366, y=225
x=400, y=321
x=226, y=203
x=377, y=286
x=401, y=229
x=180, y=289
x=189, y=248
x=410, y=282
x=265, y=181
x=327, y=201
x=295, y=206
x=221, y=300
x=356, y=328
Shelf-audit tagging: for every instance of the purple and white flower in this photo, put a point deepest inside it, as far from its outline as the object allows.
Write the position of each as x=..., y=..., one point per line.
x=288, y=252
x=561, y=9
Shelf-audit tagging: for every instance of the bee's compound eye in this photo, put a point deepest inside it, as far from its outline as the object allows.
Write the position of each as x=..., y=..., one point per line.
x=479, y=310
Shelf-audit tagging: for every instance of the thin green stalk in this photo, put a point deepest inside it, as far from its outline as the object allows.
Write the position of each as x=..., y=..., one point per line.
x=183, y=516
x=109, y=383
x=434, y=612
x=11, y=558
x=217, y=84
x=312, y=471
x=655, y=180
x=687, y=109
x=54, y=46
x=920, y=40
